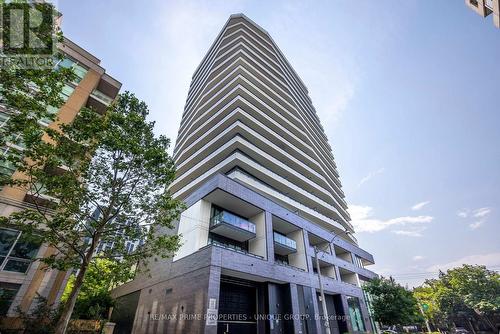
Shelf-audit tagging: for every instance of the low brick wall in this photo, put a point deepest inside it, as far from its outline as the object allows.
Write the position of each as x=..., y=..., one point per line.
x=14, y=325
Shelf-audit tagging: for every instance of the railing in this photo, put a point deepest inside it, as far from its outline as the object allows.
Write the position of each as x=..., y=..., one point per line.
x=281, y=239
x=233, y=220
x=229, y=247
x=100, y=96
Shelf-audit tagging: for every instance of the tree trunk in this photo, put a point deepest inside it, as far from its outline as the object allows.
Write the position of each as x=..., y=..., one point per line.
x=63, y=321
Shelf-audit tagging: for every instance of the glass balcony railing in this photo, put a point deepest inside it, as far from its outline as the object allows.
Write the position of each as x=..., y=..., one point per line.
x=233, y=220
x=282, y=240
x=100, y=96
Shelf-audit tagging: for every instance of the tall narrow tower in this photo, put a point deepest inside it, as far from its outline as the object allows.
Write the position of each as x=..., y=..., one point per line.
x=262, y=191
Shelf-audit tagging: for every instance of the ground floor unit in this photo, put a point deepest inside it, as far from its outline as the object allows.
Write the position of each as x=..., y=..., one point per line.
x=22, y=279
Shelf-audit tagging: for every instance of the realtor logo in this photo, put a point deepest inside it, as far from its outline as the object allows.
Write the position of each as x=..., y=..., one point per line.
x=27, y=33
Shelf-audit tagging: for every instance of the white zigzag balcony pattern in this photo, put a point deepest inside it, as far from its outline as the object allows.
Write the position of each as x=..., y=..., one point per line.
x=249, y=115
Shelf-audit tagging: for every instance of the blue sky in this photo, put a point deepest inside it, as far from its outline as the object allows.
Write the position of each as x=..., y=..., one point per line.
x=408, y=92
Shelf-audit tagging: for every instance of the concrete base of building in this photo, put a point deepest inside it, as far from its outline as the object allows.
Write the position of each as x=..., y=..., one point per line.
x=216, y=289
x=213, y=300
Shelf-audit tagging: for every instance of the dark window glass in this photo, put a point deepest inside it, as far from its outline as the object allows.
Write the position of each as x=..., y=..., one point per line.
x=8, y=292
x=283, y=259
x=25, y=249
x=7, y=239
x=226, y=242
x=17, y=266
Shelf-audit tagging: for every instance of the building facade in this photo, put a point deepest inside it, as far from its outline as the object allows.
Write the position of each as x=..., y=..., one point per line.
x=485, y=8
x=262, y=192
x=22, y=279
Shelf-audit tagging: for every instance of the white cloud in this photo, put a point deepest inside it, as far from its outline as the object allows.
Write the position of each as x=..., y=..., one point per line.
x=370, y=176
x=363, y=221
x=482, y=212
x=489, y=260
x=480, y=216
x=418, y=258
x=476, y=225
x=411, y=232
x=463, y=213
x=420, y=205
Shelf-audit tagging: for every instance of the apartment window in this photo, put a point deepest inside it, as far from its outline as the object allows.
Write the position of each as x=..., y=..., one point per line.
x=7, y=168
x=220, y=240
x=474, y=3
x=282, y=259
x=78, y=69
x=14, y=139
x=16, y=252
x=66, y=91
x=8, y=292
x=4, y=117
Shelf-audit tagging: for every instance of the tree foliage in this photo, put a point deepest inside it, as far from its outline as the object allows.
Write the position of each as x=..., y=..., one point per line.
x=94, y=299
x=392, y=304
x=468, y=293
x=113, y=163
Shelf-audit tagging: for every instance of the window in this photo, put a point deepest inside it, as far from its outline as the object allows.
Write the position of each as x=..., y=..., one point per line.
x=78, y=69
x=282, y=259
x=4, y=117
x=7, y=168
x=8, y=292
x=16, y=252
x=220, y=240
x=11, y=138
x=355, y=314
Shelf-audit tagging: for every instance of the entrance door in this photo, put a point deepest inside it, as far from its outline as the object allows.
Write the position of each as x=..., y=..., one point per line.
x=237, y=308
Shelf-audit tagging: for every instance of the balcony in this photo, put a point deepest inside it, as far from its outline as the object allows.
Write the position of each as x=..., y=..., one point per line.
x=231, y=226
x=284, y=245
x=99, y=101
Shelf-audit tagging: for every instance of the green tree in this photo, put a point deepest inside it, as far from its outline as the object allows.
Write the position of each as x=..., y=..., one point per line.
x=94, y=299
x=425, y=296
x=42, y=319
x=392, y=304
x=466, y=293
x=113, y=163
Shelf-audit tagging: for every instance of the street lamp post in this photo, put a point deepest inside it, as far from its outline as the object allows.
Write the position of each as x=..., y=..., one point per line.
x=322, y=293
x=323, y=301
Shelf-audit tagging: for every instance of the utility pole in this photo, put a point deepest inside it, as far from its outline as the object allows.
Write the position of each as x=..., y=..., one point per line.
x=322, y=293
x=425, y=318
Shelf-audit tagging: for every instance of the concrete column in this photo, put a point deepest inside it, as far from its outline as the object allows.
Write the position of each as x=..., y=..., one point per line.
x=299, y=258
x=213, y=293
x=309, y=252
x=496, y=13
x=269, y=237
x=297, y=328
x=257, y=245
x=337, y=273
x=345, y=306
x=366, y=315
x=317, y=322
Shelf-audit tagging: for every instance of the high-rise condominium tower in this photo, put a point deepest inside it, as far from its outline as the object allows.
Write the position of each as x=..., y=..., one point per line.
x=262, y=191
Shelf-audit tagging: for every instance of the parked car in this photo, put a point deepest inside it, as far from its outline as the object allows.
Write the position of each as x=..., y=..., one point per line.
x=461, y=330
